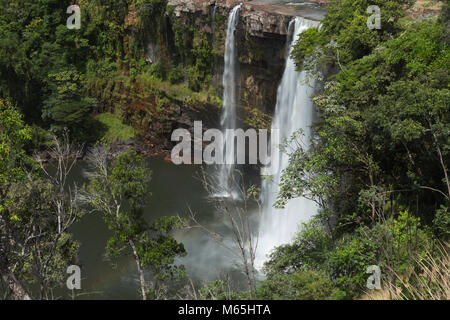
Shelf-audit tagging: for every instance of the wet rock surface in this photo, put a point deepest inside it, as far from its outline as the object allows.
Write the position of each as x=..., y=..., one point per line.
x=261, y=40
x=259, y=18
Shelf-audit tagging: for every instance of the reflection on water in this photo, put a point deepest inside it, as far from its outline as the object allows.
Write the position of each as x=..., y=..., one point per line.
x=174, y=189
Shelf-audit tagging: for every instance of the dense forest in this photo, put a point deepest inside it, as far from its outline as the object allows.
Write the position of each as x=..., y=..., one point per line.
x=377, y=165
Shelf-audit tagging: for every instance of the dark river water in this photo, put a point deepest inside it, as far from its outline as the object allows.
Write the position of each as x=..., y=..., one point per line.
x=174, y=190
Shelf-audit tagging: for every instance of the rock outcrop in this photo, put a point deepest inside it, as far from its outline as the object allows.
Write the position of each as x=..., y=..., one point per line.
x=261, y=36
x=259, y=18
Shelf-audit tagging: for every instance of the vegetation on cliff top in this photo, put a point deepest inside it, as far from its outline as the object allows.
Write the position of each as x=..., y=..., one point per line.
x=380, y=170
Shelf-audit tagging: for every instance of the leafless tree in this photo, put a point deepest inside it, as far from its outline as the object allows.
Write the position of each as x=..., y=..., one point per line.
x=221, y=289
x=236, y=212
x=65, y=200
x=46, y=208
x=110, y=204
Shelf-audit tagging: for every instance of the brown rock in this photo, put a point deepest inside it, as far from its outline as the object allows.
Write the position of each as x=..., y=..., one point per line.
x=258, y=18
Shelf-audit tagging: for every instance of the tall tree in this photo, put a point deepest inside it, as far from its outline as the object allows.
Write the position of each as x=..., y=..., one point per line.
x=119, y=191
x=13, y=135
x=36, y=211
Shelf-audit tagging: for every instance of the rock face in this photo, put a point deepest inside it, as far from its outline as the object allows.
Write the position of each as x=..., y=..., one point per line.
x=261, y=36
x=259, y=18
x=423, y=9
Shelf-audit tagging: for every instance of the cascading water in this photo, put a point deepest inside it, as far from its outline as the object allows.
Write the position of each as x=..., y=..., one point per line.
x=294, y=110
x=213, y=29
x=228, y=119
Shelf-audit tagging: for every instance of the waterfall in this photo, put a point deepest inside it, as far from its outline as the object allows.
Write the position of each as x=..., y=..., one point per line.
x=294, y=110
x=228, y=119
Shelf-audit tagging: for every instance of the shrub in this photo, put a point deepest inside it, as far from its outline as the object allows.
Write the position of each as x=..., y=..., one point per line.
x=441, y=223
x=194, y=79
x=429, y=279
x=176, y=75
x=156, y=70
x=299, y=285
x=218, y=290
x=308, y=251
x=115, y=131
x=347, y=264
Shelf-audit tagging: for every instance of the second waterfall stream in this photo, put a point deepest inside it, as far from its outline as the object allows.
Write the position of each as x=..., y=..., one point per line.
x=294, y=110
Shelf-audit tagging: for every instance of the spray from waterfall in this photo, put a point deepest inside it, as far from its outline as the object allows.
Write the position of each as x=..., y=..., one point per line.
x=228, y=119
x=294, y=110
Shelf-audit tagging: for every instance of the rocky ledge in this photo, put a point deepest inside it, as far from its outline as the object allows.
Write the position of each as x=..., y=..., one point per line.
x=259, y=18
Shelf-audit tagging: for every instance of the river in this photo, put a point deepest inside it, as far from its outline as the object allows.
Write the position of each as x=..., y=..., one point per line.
x=174, y=189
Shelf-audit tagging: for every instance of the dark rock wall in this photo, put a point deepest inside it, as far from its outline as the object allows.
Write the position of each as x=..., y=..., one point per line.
x=261, y=40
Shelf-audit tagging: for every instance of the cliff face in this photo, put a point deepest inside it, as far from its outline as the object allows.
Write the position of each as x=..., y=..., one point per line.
x=261, y=40
x=184, y=42
x=259, y=18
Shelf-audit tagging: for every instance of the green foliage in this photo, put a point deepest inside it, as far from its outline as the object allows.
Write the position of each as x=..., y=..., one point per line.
x=195, y=50
x=344, y=35
x=32, y=206
x=176, y=75
x=66, y=106
x=299, y=285
x=307, y=45
x=342, y=261
x=348, y=262
x=441, y=223
x=59, y=78
x=388, y=102
x=41, y=139
x=13, y=159
x=116, y=131
x=257, y=119
x=35, y=210
x=255, y=52
x=307, y=252
x=381, y=128
x=43, y=64
x=194, y=78
x=120, y=191
x=156, y=70
x=202, y=53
